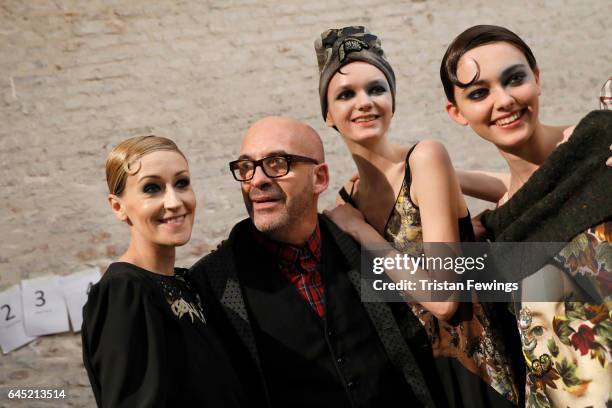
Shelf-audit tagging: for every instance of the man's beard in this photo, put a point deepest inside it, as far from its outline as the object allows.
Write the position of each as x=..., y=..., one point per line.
x=278, y=224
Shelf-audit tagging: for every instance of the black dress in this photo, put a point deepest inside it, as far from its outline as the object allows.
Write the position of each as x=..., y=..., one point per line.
x=146, y=344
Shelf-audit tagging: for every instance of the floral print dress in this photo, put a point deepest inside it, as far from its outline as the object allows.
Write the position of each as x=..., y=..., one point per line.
x=473, y=342
x=567, y=344
x=470, y=339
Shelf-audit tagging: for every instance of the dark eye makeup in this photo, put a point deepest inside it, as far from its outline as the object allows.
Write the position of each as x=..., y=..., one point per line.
x=182, y=182
x=377, y=88
x=514, y=75
x=346, y=94
x=151, y=188
x=516, y=78
x=478, y=94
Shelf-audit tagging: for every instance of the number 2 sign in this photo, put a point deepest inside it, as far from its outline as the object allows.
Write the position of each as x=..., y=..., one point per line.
x=44, y=309
x=12, y=333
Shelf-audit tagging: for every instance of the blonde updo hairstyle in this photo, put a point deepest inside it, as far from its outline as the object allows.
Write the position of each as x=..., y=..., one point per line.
x=124, y=159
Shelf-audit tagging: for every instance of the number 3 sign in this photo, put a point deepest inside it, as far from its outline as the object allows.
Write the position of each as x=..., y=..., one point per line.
x=44, y=309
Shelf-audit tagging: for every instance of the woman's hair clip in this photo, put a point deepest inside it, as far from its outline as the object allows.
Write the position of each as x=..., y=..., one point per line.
x=350, y=45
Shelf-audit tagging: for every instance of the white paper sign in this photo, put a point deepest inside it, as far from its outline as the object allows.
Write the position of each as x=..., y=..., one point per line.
x=76, y=288
x=12, y=332
x=44, y=309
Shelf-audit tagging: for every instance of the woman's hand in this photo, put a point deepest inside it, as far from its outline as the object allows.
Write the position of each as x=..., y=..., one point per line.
x=480, y=232
x=348, y=219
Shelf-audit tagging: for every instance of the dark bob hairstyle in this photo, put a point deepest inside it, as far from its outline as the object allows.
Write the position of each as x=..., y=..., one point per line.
x=471, y=38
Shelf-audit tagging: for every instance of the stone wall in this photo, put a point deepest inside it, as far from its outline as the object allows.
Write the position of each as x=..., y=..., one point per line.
x=77, y=77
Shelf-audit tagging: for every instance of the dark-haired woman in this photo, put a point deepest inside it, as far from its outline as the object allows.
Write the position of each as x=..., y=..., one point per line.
x=405, y=195
x=146, y=342
x=556, y=192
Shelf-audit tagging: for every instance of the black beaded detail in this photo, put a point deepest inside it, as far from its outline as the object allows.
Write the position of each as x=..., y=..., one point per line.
x=180, y=295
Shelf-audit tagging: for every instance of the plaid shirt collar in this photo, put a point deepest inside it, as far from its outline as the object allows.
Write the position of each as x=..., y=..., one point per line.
x=301, y=266
x=290, y=254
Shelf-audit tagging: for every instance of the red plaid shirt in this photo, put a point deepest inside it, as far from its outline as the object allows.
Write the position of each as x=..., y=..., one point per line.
x=302, y=266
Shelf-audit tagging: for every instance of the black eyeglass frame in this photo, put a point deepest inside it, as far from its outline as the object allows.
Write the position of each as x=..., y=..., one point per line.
x=290, y=158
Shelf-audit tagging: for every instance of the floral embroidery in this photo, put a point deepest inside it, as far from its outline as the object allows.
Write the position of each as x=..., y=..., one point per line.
x=583, y=339
x=578, y=345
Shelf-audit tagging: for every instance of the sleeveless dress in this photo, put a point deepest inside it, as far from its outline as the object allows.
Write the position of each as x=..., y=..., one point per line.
x=469, y=354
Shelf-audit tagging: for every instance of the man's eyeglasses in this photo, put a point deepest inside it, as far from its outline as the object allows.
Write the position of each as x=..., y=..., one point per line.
x=272, y=166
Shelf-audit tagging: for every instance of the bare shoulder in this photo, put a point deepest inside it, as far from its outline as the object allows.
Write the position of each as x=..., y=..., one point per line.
x=351, y=187
x=560, y=133
x=567, y=132
x=429, y=153
x=352, y=183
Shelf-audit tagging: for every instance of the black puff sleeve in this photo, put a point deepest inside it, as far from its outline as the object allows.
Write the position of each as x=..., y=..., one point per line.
x=124, y=343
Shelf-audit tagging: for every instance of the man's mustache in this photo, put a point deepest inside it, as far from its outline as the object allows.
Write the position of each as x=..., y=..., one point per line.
x=268, y=195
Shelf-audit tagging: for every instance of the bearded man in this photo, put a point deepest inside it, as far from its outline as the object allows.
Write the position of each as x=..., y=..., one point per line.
x=284, y=289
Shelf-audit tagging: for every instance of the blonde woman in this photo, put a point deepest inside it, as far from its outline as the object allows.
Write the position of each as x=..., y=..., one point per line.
x=146, y=341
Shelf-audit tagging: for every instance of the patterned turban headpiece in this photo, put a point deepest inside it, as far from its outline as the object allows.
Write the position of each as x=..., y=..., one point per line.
x=339, y=47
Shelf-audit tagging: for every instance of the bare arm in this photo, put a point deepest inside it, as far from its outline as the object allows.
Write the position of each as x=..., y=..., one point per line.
x=491, y=186
x=351, y=221
x=435, y=189
x=484, y=185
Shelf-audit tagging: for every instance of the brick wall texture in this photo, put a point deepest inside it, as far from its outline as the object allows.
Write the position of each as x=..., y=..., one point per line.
x=77, y=77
